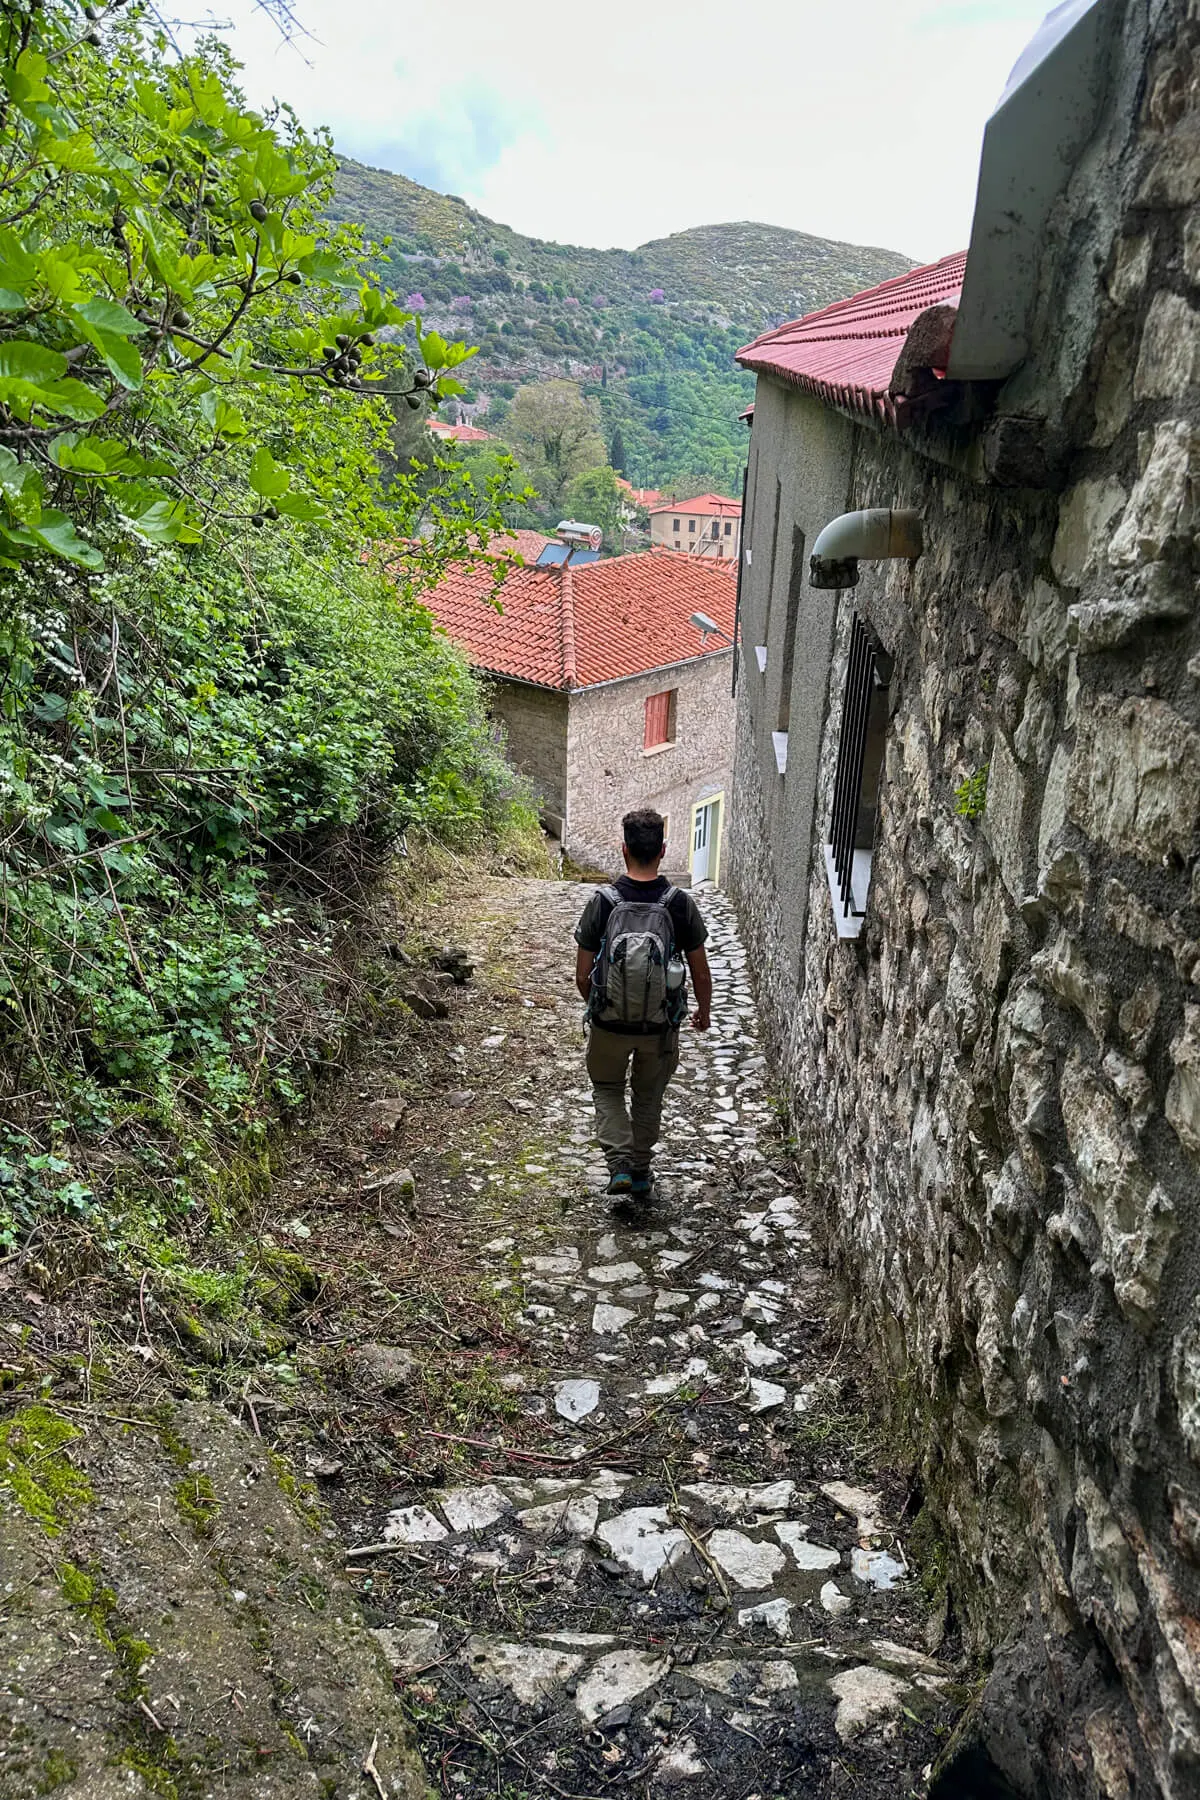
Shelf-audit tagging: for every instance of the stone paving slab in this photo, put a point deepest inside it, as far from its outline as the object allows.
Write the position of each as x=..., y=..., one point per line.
x=710, y=1619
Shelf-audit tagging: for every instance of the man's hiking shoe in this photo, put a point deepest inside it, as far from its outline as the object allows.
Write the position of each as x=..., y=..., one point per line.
x=641, y=1186
x=620, y=1185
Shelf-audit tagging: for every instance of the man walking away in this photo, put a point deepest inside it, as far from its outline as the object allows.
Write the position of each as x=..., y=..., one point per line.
x=632, y=939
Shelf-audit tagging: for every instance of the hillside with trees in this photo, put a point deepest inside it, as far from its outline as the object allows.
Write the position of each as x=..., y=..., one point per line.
x=216, y=718
x=648, y=335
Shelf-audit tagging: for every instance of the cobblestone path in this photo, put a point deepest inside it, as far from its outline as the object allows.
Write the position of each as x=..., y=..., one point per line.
x=695, y=1579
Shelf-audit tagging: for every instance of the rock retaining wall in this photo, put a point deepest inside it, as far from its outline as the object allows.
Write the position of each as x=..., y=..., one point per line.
x=997, y=1085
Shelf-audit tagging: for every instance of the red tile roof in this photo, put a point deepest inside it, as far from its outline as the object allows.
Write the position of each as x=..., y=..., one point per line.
x=459, y=434
x=709, y=504
x=528, y=544
x=642, y=496
x=575, y=626
x=846, y=352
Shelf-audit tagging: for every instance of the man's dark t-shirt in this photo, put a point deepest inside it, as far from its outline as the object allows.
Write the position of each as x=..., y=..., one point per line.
x=690, y=929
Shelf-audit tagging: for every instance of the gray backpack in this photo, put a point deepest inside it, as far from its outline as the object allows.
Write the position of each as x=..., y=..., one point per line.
x=638, y=977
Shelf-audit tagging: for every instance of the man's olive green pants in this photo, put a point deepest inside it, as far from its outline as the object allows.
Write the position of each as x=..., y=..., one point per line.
x=628, y=1135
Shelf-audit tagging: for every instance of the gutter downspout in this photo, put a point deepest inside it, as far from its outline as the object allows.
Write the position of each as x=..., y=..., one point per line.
x=876, y=535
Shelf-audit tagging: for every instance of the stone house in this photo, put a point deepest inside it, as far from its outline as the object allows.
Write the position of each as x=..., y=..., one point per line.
x=710, y=526
x=608, y=695
x=965, y=851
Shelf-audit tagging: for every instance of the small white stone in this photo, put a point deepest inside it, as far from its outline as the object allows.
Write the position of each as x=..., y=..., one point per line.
x=776, y=1615
x=878, y=1568
x=609, y=1321
x=833, y=1599
x=865, y=1507
x=576, y=1399
x=642, y=1541
x=865, y=1695
x=756, y=1353
x=761, y=1496
x=474, y=1508
x=413, y=1525
x=750, y=1564
x=725, y=1675
x=805, y=1555
x=622, y=1271
x=580, y=1640
x=668, y=1300
x=758, y=1311
x=528, y=1672
x=764, y=1395
x=412, y=1649
x=573, y=1517
x=616, y=1679
x=552, y=1265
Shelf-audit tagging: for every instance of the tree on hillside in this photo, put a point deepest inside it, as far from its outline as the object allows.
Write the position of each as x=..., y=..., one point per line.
x=595, y=498
x=555, y=433
x=216, y=716
x=616, y=452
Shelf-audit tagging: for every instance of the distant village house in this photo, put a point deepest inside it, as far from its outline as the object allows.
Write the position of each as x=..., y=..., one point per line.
x=610, y=696
x=710, y=525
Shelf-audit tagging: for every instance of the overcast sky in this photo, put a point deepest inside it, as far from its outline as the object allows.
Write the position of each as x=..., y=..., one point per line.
x=854, y=119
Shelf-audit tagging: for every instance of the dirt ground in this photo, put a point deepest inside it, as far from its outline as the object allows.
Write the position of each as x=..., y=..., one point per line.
x=577, y=1503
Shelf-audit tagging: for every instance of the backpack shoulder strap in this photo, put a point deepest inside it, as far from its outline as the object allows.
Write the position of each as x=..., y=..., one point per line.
x=666, y=899
x=609, y=893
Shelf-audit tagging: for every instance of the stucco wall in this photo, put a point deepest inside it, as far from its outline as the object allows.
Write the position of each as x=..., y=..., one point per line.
x=996, y=1088
x=609, y=773
x=535, y=728
x=699, y=542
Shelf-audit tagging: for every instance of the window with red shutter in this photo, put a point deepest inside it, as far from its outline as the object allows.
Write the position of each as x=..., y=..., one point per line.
x=660, y=720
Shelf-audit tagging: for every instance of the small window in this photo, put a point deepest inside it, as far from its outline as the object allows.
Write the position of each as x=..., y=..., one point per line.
x=692, y=525
x=728, y=528
x=660, y=720
x=716, y=528
x=856, y=780
x=674, y=524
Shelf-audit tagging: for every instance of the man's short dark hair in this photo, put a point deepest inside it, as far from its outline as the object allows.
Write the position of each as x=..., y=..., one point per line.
x=644, y=832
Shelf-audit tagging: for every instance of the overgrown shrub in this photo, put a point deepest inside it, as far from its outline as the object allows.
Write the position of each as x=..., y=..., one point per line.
x=216, y=716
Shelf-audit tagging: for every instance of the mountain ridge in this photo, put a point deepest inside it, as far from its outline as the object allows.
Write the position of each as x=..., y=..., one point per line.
x=649, y=334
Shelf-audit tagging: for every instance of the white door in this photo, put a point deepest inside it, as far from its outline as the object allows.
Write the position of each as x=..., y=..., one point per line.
x=704, y=835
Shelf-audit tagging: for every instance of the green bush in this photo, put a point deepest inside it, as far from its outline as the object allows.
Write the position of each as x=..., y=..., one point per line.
x=215, y=716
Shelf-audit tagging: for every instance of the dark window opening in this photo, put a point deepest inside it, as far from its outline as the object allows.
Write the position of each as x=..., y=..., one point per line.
x=674, y=524
x=716, y=528
x=728, y=529
x=691, y=525
x=766, y=633
x=795, y=589
x=857, y=779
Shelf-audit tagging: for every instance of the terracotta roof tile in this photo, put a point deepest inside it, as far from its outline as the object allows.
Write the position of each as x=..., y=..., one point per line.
x=709, y=505
x=459, y=434
x=576, y=626
x=846, y=352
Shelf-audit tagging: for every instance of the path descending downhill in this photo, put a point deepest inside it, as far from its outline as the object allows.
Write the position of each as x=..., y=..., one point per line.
x=675, y=1567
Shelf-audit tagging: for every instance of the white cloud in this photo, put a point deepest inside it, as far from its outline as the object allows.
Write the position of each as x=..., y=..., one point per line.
x=855, y=119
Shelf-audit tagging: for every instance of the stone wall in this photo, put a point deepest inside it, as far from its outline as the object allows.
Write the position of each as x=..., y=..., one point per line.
x=996, y=1087
x=535, y=730
x=608, y=771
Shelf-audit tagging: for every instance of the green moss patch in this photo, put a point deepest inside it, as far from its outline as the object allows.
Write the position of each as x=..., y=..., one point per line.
x=36, y=1470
